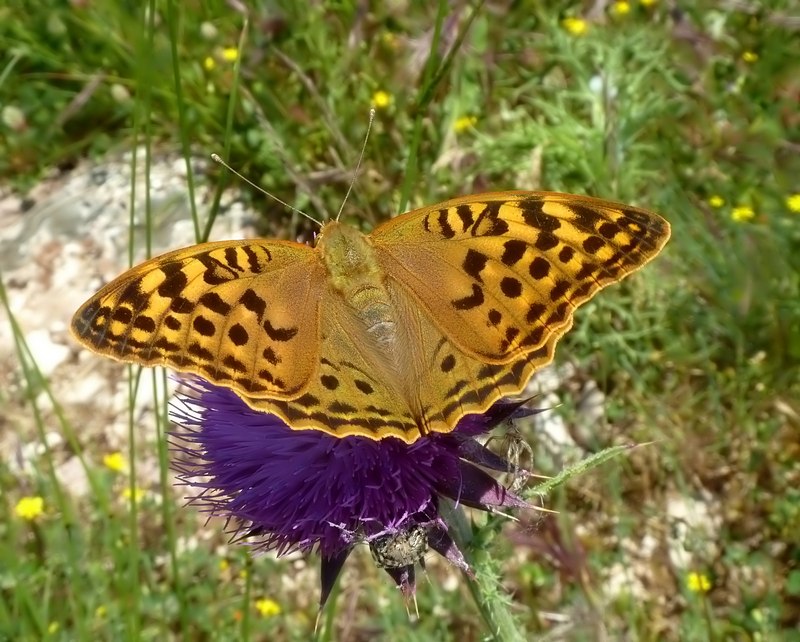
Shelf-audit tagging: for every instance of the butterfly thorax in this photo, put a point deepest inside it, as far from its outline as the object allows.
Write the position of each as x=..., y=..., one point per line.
x=354, y=273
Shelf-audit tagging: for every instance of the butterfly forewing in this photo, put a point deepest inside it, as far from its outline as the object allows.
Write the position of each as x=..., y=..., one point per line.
x=243, y=314
x=502, y=273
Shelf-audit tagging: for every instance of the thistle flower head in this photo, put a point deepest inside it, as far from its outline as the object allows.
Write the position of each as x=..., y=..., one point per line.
x=286, y=490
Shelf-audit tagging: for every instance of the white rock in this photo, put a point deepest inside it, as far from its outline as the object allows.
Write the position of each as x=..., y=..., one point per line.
x=47, y=353
x=693, y=530
x=621, y=580
x=72, y=476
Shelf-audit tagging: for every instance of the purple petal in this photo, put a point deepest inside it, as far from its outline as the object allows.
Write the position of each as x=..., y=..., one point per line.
x=441, y=542
x=330, y=567
x=405, y=578
x=477, y=489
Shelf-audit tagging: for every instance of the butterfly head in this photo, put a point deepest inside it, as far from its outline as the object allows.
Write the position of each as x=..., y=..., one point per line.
x=348, y=255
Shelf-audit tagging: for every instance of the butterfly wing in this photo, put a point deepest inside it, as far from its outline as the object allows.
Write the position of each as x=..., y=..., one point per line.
x=242, y=314
x=493, y=281
x=501, y=273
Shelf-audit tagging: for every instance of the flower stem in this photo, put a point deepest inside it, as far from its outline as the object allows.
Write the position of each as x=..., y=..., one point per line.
x=493, y=604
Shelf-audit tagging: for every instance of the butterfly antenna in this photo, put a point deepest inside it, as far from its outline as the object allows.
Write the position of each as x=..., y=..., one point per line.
x=217, y=159
x=358, y=164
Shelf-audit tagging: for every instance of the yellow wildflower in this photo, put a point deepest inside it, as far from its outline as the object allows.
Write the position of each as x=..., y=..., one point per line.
x=30, y=507
x=52, y=628
x=101, y=611
x=114, y=461
x=224, y=565
x=133, y=493
x=575, y=26
x=230, y=54
x=209, y=63
x=464, y=123
x=698, y=582
x=743, y=213
x=621, y=8
x=749, y=56
x=647, y=3
x=267, y=607
x=716, y=201
x=793, y=203
x=381, y=99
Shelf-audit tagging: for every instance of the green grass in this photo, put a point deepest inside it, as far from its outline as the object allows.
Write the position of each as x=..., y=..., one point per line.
x=699, y=352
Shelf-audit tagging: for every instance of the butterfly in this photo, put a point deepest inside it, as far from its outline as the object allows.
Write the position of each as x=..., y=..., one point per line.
x=434, y=315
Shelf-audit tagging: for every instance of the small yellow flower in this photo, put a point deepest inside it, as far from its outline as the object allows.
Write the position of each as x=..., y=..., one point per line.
x=575, y=26
x=101, y=611
x=716, y=201
x=743, y=213
x=749, y=56
x=793, y=203
x=209, y=63
x=621, y=8
x=30, y=507
x=647, y=3
x=135, y=494
x=381, y=99
x=52, y=628
x=267, y=607
x=114, y=461
x=698, y=582
x=464, y=123
x=224, y=565
x=230, y=54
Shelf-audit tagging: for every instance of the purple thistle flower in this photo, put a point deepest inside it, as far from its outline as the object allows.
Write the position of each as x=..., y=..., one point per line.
x=305, y=490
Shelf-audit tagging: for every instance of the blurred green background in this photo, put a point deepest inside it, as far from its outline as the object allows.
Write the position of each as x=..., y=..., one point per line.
x=690, y=109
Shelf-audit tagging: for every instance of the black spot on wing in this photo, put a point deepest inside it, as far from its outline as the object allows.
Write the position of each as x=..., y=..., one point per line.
x=203, y=326
x=215, y=303
x=329, y=381
x=144, y=322
x=254, y=303
x=534, y=216
x=474, y=263
x=174, y=283
x=238, y=334
x=464, y=213
x=445, y=228
x=474, y=300
x=513, y=251
x=539, y=268
x=122, y=314
x=280, y=334
x=448, y=363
